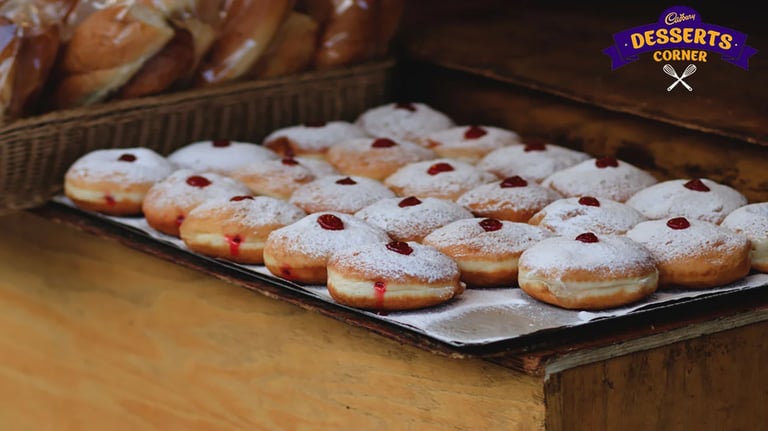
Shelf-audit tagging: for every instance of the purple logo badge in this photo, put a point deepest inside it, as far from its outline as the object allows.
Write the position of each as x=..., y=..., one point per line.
x=680, y=35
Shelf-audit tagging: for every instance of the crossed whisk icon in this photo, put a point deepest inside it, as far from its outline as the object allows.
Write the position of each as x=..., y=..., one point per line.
x=669, y=70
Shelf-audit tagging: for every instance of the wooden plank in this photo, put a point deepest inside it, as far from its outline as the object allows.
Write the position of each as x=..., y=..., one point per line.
x=713, y=382
x=99, y=336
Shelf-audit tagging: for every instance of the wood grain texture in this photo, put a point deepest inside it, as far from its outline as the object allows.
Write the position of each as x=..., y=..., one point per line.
x=714, y=382
x=98, y=336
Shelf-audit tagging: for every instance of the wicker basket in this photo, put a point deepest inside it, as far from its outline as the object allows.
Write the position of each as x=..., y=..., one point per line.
x=36, y=152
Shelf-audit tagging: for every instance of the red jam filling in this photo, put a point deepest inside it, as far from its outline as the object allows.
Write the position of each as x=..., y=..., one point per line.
x=516, y=181
x=379, y=290
x=534, y=146
x=475, y=132
x=315, y=124
x=400, y=247
x=234, y=244
x=240, y=198
x=346, y=181
x=179, y=219
x=589, y=201
x=410, y=201
x=383, y=143
x=696, y=185
x=330, y=222
x=678, y=223
x=289, y=161
x=221, y=143
x=407, y=106
x=607, y=161
x=110, y=200
x=198, y=181
x=490, y=225
x=439, y=168
x=127, y=158
x=587, y=237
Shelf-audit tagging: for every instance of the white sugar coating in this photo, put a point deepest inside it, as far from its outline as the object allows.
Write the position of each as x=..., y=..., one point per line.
x=567, y=217
x=175, y=191
x=317, y=138
x=611, y=254
x=586, y=179
x=493, y=197
x=700, y=237
x=494, y=138
x=259, y=211
x=389, y=121
x=672, y=199
x=513, y=237
x=750, y=220
x=104, y=165
x=424, y=262
x=533, y=165
x=205, y=156
x=320, y=168
x=296, y=172
x=414, y=178
x=415, y=220
x=308, y=238
x=404, y=152
x=347, y=198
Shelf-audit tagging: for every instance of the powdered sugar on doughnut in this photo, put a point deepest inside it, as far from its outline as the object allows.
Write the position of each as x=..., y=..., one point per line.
x=219, y=156
x=409, y=121
x=320, y=168
x=340, y=193
x=751, y=220
x=513, y=237
x=142, y=165
x=310, y=138
x=424, y=262
x=536, y=164
x=250, y=213
x=586, y=179
x=307, y=237
x=401, y=153
x=672, y=199
x=415, y=178
x=670, y=244
x=568, y=217
x=174, y=190
x=488, y=138
x=412, y=221
x=492, y=197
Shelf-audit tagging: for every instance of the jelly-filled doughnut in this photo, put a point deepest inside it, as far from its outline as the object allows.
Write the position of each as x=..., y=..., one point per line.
x=486, y=249
x=697, y=198
x=169, y=201
x=403, y=121
x=752, y=221
x=299, y=252
x=236, y=229
x=392, y=276
x=277, y=178
x=694, y=253
x=604, y=177
x=375, y=158
x=114, y=181
x=470, y=143
x=437, y=178
x=339, y=193
x=513, y=199
x=311, y=139
x=219, y=156
x=572, y=216
x=534, y=160
x=587, y=272
x=410, y=218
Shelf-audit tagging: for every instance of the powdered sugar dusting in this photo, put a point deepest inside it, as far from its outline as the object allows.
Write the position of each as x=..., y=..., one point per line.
x=389, y=121
x=205, y=156
x=567, y=217
x=424, y=262
x=751, y=220
x=318, y=167
x=672, y=199
x=493, y=139
x=533, y=165
x=327, y=193
x=668, y=244
x=413, y=179
x=250, y=213
x=493, y=198
x=318, y=139
x=104, y=165
x=361, y=149
x=586, y=179
x=416, y=221
x=174, y=190
x=308, y=238
x=513, y=237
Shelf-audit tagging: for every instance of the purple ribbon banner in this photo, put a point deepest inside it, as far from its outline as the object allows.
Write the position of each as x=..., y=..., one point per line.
x=684, y=34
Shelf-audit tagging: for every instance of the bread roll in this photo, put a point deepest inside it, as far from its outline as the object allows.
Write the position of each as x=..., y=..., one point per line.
x=292, y=49
x=349, y=35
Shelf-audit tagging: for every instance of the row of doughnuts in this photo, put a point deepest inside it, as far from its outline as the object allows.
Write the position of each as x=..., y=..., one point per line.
x=570, y=229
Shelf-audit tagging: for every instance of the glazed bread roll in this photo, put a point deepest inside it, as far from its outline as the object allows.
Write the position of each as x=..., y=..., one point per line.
x=248, y=29
x=349, y=35
x=107, y=50
x=292, y=49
